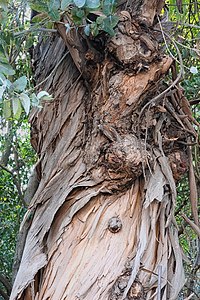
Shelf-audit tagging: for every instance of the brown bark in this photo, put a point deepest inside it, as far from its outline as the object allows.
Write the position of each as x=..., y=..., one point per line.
x=111, y=147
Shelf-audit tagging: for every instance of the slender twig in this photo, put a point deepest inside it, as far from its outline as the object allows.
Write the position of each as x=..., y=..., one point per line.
x=187, y=25
x=16, y=34
x=159, y=282
x=180, y=61
x=193, y=189
x=4, y=295
x=6, y=283
x=194, y=101
x=195, y=227
x=189, y=297
x=15, y=181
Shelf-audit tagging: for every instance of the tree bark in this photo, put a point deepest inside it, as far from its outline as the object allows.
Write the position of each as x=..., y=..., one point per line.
x=111, y=148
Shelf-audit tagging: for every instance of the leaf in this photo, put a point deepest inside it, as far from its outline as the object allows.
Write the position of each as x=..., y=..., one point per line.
x=19, y=112
x=80, y=13
x=34, y=100
x=2, y=78
x=26, y=102
x=54, y=15
x=38, y=18
x=79, y=3
x=7, y=109
x=113, y=20
x=94, y=29
x=65, y=4
x=3, y=58
x=2, y=90
x=54, y=5
x=6, y=69
x=87, y=29
x=4, y=4
x=7, y=83
x=16, y=105
x=193, y=70
x=19, y=85
x=108, y=7
x=42, y=94
x=100, y=19
x=39, y=6
x=92, y=3
x=108, y=24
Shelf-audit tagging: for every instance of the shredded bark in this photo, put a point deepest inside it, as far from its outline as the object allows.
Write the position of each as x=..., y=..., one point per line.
x=111, y=146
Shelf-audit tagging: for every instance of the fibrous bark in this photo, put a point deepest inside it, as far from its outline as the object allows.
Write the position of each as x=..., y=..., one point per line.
x=111, y=147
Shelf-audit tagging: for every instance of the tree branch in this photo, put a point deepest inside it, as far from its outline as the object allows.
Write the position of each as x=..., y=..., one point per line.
x=16, y=183
x=7, y=146
x=4, y=295
x=32, y=30
x=6, y=283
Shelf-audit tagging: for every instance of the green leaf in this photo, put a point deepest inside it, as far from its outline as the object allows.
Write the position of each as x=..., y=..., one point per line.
x=79, y=3
x=65, y=4
x=2, y=90
x=94, y=29
x=26, y=102
x=39, y=18
x=100, y=19
x=42, y=94
x=4, y=4
x=39, y=6
x=6, y=69
x=54, y=5
x=15, y=105
x=193, y=70
x=7, y=109
x=2, y=78
x=7, y=83
x=54, y=15
x=3, y=58
x=34, y=100
x=80, y=13
x=108, y=24
x=92, y=3
x=20, y=84
x=53, y=10
x=108, y=7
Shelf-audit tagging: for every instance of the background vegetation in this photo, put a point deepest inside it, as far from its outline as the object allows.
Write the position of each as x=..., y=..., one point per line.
x=181, y=23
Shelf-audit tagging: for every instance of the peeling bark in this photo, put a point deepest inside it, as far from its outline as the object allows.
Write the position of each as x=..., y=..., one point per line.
x=111, y=148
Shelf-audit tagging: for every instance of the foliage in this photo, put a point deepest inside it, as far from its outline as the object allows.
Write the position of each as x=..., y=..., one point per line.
x=17, y=156
x=16, y=161
x=15, y=90
x=93, y=15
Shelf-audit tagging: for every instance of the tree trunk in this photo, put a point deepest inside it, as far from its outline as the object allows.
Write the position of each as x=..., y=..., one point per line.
x=111, y=148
